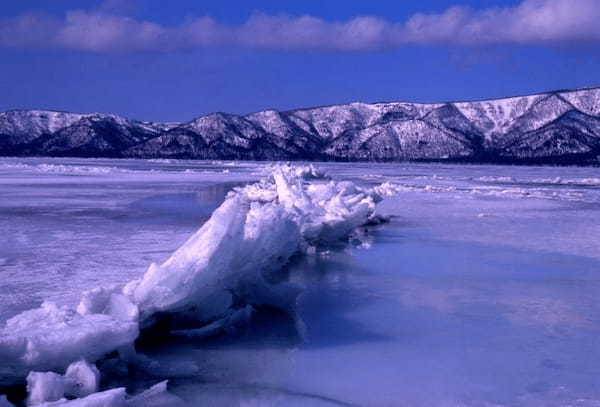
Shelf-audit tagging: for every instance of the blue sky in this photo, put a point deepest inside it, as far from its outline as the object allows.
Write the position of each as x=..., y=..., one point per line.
x=173, y=61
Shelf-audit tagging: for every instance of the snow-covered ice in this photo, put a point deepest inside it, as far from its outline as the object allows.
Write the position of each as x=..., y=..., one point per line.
x=256, y=230
x=481, y=289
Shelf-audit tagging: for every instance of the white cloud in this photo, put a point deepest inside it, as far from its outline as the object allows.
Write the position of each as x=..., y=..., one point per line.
x=532, y=22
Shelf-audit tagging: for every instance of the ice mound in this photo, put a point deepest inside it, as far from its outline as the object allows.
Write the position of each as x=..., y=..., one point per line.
x=387, y=189
x=213, y=281
x=109, y=301
x=256, y=230
x=303, y=172
x=81, y=380
x=309, y=172
x=109, y=398
x=52, y=337
x=50, y=390
x=48, y=394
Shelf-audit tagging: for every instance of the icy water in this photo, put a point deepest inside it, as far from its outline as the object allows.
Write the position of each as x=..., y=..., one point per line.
x=482, y=290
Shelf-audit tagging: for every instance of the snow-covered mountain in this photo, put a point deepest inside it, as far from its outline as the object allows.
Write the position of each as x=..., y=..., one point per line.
x=561, y=127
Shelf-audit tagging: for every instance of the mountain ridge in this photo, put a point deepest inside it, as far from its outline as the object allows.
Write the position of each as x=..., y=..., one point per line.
x=557, y=127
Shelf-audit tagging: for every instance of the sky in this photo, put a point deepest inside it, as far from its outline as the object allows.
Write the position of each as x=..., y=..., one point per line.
x=176, y=60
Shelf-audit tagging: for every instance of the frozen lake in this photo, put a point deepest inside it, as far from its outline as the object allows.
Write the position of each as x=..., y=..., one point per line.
x=482, y=290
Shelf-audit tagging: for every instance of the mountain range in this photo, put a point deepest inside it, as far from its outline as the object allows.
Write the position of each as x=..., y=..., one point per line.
x=561, y=127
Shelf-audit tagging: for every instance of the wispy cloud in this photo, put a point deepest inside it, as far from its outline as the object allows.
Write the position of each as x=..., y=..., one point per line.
x=546, y=22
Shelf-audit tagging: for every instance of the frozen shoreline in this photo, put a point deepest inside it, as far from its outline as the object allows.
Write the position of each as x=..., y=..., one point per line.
x=217, y=276
x=479, y=296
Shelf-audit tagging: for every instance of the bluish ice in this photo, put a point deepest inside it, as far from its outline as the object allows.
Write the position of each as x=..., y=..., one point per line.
x=482, y=290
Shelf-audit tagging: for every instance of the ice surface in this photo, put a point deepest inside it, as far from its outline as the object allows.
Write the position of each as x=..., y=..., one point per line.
x=63, y=169
x=481, y=290
x=156, y=396
x=256, y=230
